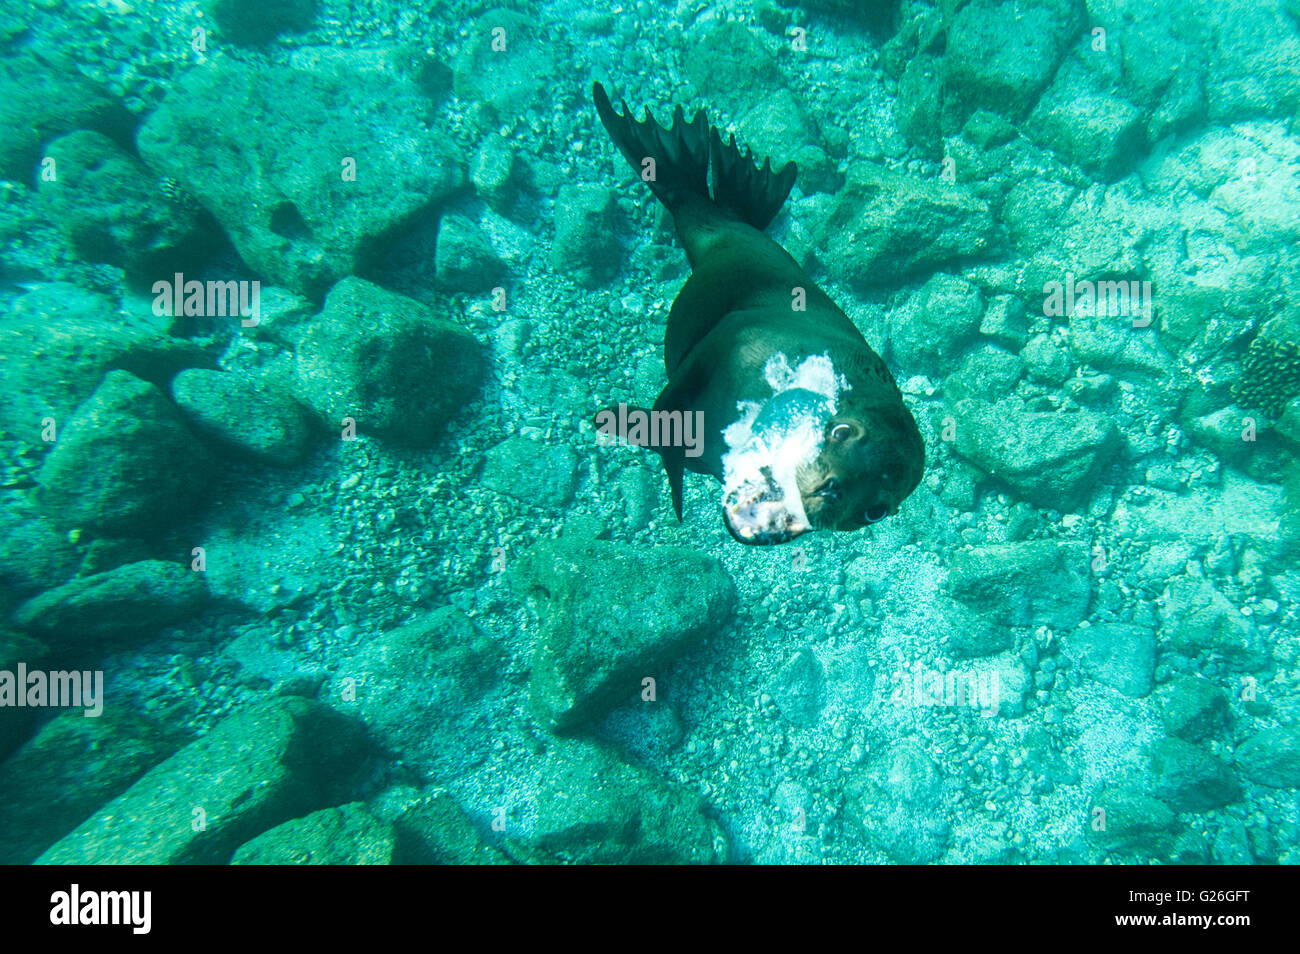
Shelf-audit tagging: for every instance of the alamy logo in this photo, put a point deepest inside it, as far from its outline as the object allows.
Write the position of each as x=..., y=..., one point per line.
x=210, y=299
x=1104, y=299
x=60, y=688
x=654, y=428
x=75, y=906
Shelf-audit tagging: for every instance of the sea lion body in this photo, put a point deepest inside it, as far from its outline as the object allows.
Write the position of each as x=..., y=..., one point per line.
x=751, y=333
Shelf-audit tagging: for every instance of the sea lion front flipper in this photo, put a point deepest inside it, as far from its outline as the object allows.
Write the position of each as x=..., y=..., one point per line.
x=673, y=465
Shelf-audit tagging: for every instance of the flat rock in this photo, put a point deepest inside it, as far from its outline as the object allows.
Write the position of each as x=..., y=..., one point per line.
x=243, y=415
x=134, y=600
x=537, y=473
x=258, y=767
x=388, y=363
x=124, y=464
x=293, y=213
x=1004, y=582
x=346, y=835
x=1050, y=459
x=613, y=615
x=593, y=808
x=1119, y=655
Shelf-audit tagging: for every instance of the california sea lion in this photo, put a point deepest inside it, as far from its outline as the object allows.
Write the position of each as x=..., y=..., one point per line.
x=803, y=423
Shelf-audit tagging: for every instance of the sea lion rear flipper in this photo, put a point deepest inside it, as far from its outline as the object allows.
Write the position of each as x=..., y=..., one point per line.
x=682, y=155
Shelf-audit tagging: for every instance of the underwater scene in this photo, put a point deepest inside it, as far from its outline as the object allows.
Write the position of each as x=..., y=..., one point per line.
x=775, y=432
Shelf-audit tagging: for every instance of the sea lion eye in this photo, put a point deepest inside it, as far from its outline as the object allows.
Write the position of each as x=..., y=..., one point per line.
x=841, y=432
x=876, y=514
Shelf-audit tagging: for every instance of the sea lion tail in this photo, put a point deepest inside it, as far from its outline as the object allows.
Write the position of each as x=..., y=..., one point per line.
x=682, y=155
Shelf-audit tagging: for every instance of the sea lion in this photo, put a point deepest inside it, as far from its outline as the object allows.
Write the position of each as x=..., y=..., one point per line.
x=803, y=423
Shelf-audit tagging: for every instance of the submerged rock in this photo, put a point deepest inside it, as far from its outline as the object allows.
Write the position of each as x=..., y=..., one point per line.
x=593, y=808
x=1004, y=581
x=433, y=829
x=613, y=615
x=260, y=766
x=125, y=463
x=541, y=474
x=131, y=601
x=243, y=415
x=334, y=160
x=70, y=768
x=38, y=102
x=114, y=210
x=899, y=804
x=256, y=21
x=885, y=226
x=1271, y=757
x=585, y=240
x=346, y=835
x=1119, y=655
x=1188, y=778
x=1051, y=459
x=418, y=688
x=387, y=362
x=1193, y=708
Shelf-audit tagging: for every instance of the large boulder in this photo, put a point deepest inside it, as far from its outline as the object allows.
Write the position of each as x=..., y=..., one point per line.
x=388, y=363
x=612, y=616
x=296, y=212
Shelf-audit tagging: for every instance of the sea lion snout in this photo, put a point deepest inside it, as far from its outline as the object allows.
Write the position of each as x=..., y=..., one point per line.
x=866, y=470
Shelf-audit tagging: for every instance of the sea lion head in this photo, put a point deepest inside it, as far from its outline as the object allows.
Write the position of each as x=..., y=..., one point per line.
x=871, y=458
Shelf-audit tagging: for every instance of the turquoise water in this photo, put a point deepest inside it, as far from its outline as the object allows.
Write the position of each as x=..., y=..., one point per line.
x=311, y=551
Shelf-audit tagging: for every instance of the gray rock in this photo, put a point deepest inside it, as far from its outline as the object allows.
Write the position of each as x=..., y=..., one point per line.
x=125, y=463
x=585, y=243
x=1004, y=581
x=1119, y=655
x=613, y=615
x=1088, y=125
x=937, y=323
x=496, y=173
x=429, y=673
x=346, y=835
x=244, y=415
x=71, y=767
x=465, y=260
x=1133, y=822
x=132, y=601
x=1000, y=54
x=433, y=829
x=541, y=474
x=1187, y=778
x=291, y=213
x=384, y=360
x=799, y=688
x=39, y=101
x=885, y=226
x=1049, y=459
x=260, y=766
x=898, y=803
x=1193, y=708
x=114, y=210
x=986, y=373
x=1271, y=757
x=249, y=22
x=592, y=808
x=33, y=555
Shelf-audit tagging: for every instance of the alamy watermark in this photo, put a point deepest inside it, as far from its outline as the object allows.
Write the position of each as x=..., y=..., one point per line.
x=60, y=688
x=1103, y=299
x=653, y=428
x=920, y=687
x=211, y=299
